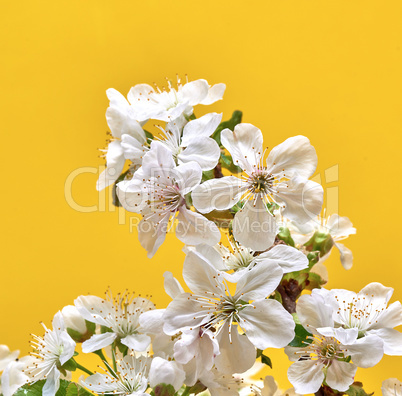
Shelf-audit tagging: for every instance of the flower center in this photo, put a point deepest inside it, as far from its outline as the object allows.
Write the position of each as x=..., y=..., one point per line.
x=260, y=182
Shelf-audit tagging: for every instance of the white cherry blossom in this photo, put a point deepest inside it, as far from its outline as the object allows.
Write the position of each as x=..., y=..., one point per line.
x=211, y=306
x=130, y=378
x=391, y=387
x=14, y=375
x=337, y=227
x=167, y=372
x=366, y=313
x=128, y=140
x=52, y=351
x=171, y=103
x=120, y=315
x=158, y=191
x=283, y=180
x=6, y=356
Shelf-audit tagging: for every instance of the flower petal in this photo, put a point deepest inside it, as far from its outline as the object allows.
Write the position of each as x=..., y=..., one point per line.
x=258, y=282
x=294, y=156
x=215, y=93
x=187, y=176
x=340, y=375
x=52, y=383
x=132, y=148
x=194, y=229
x=172, y=285
x=237, y=353
x=306, y=376
x=392, y=340
x=132, y=195
x=205, y=152
x=94, y=309
x=151, y=235
x=195, y=92
x=302, y=199
x=98, y=341
x=390, y=317
x=200, y=276
x=166, y=372
x=346, y=256
x=244, y=144
x=267, y=324
x=151, y=321
x=288, y=258
x=204, y=126
x=340, y=227
x=219, y=194
x=114, y=165
x=366, y=351
x=137, y=342
x=254, y=227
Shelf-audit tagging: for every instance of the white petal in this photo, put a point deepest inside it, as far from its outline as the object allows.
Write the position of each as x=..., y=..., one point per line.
x=306, y=376
x=200, y=276
x=116, y=98
x=205, y=152
x=68, y=346
x=244, y=144
x=132, y=195
x=390, y=317
x=220, y=194
x=346, y=256
x=254, y=227
x=120, y=123
x=237, y=353
x=151, y=321
x=114, y=165
x=98, y=341
x=302, y=199
x=259, y=282
x=392, y=340
x=158, y=161
x=187, y=176
x=391, y=387
x=152, y=235
x=137, y=342
x=166, y=372
x=267, y=324
x=139, y=91
x=180, y=314
x=366, y=351
x=215, y=93
x=211, y=255
x=270, y=386
x=288, y=258
x=312, y=311
x=378, y=293
x=132, y=148
x=195, y=92
x=172, y=285
x=52, y=383
x=340, y=227
x=340, y=375
x=193, y=228
x=94, y=309
x=100, y=383
x=294, y=156
x=204, y=126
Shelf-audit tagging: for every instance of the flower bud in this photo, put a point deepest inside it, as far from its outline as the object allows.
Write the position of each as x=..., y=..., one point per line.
x=77, y=327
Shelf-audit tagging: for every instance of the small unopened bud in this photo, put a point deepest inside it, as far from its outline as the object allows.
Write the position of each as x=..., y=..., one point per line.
x=77, y=327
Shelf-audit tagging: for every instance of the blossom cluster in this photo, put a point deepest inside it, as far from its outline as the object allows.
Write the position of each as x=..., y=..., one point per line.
x=255, y=237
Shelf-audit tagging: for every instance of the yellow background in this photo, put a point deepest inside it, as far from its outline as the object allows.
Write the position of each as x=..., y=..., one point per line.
x=330, y=70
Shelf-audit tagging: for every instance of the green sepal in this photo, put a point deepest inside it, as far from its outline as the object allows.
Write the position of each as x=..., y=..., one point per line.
x=70, y=365
x=79, y=337
x=234, y=120
x=264, y=358
x=122, y=348
x=149, y=136
x=314, y=281
x=301, y=337
x=207, y=175
x=320, y=242
x=67, y=388
x=284, y=235
x=198, y=387
x=163, y=390
x=105, y=329
x=356, y=389
x=226, y=162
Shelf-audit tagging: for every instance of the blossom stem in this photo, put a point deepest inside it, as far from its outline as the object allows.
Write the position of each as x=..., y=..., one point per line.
x=186, y=391
x=104, y=360
x=114, y=357
x=82, y=368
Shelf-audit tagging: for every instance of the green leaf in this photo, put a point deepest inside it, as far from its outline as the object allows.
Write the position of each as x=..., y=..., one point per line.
x=116, y=201
x=301, y=337
x=163, y=390
x=207, y=175
x=356, y=389
x=236, y=119
x=66, y=388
